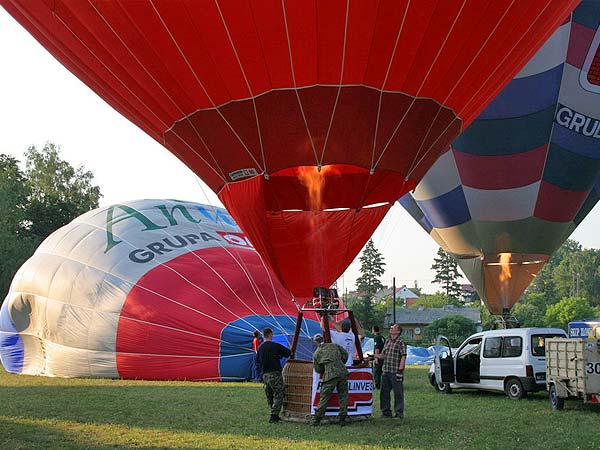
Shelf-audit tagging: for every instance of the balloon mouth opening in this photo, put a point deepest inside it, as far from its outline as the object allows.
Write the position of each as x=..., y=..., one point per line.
x=333, y=210
x=333, y=188
x=507, y=275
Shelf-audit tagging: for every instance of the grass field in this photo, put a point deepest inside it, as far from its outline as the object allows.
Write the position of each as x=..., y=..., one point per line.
x=48, y=413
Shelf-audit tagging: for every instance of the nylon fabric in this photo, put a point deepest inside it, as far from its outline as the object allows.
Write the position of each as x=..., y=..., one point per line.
x=528, y=167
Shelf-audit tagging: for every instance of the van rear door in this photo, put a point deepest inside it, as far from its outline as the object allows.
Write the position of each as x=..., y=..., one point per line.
x=444, y=362
x=538, y=354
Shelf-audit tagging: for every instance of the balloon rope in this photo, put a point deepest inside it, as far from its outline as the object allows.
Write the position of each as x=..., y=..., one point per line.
x=275, y=294
x=287, y=34
x=237, y=57
x=165, y=125
x=492, y=73
x=414, y=166
x=481, y=48
x=499, y=65
x=387, y=74
x=208, y=294
x=210, y=99
x=423, y=81
x=337, y=97
x=416, y=160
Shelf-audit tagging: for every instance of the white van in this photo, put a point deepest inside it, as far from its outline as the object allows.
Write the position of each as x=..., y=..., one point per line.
x=511, y=360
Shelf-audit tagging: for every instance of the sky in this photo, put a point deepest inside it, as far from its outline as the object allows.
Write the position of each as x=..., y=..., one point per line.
x=41, y=101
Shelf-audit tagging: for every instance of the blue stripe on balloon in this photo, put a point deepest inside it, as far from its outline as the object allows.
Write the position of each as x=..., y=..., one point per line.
x=426, y=224
x=587, y=14
x=509, y=136
x=11, y=344
x=569, y=170
x=236, y=354
x=410, y=205
x=447, y=210
x=523, y=96
x=576, y=142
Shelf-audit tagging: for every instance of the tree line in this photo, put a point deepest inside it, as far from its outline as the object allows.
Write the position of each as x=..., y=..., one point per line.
x=37, y=200
x=566, y=289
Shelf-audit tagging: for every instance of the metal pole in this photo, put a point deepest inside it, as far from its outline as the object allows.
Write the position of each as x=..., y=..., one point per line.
x=356, y=338
x=394, y=297
x=297, y=333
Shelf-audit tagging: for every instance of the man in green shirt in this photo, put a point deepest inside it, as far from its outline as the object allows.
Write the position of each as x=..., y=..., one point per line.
x=329, y=360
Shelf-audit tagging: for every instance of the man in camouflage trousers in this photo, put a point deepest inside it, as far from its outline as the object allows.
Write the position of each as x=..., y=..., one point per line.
x=329, y=360
x=269, y=356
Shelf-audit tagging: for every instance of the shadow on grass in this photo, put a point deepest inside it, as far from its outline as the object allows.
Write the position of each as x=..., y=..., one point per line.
x=235, y=416
x=17, y=435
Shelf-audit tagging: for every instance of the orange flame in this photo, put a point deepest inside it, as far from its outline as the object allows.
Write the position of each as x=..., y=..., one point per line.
x=505, y=259
x=314, y=181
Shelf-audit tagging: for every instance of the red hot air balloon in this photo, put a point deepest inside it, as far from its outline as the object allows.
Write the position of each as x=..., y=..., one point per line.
x=269, y=100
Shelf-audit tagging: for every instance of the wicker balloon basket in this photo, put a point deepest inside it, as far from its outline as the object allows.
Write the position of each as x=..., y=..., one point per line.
x=297, y=379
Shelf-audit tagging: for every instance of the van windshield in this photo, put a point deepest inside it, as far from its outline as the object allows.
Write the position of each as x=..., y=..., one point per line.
x=538, y=343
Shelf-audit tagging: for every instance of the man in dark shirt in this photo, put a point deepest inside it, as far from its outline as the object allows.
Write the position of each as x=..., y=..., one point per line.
x=379, y=342
x=269, y=354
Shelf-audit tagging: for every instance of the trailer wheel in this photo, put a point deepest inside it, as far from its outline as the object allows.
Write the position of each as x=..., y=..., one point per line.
x=557, y=403
x=514, y=389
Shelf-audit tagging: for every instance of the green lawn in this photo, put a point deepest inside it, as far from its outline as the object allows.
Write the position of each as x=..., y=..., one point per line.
x=46, y=413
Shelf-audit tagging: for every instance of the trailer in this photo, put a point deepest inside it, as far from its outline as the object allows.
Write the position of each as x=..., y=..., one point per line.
x=572, y=370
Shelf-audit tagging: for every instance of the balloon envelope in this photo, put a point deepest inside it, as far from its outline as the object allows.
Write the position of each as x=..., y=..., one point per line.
x=257, y=96
x=525, y=173
x=151, y=289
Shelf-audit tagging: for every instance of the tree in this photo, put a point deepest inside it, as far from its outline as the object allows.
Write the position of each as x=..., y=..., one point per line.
x=436, y=300
x=371, y=268
x=15, y=246
x=529, y=315
x=59, y=192
x=14, y=192
x=544, y=283
x=488, y=322
x=577, y=275
x=455, y=328
x=566, y=310
x=33, y=204
x=446, y=273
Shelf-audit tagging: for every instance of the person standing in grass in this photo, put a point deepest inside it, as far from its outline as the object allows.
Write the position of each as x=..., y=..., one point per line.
x=392, y=378
x=329, y=360
x=256, y=341
x=269, y=356
x=379, y=342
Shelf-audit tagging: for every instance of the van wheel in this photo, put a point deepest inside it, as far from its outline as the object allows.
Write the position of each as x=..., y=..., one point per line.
x=514, y=389
x=443, y=388
x=557, y=403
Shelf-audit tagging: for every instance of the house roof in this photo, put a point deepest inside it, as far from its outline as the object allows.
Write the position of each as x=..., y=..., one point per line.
x=425, y=316
x=401, y=292
x=405, y=293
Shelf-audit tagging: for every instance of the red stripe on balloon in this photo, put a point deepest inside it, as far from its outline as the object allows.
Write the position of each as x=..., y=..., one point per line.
x=501, y=172
x=558, y=205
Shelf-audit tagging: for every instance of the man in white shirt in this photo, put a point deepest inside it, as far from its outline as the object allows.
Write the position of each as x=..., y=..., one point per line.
x=342, y=336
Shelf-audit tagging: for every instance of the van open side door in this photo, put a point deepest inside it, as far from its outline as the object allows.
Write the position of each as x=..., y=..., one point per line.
x=444, y=362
